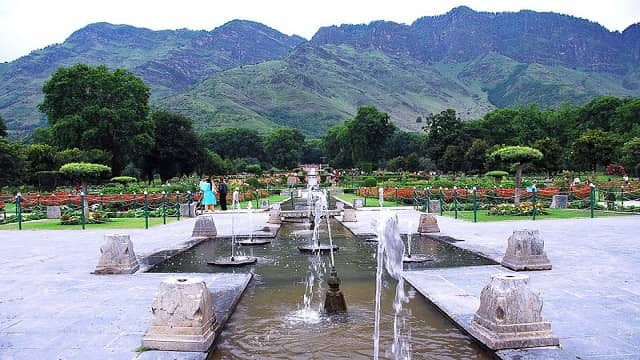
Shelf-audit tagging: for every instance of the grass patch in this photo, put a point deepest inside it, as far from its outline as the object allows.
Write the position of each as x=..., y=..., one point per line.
x=117, y=223
x=553, y=214
x=371, y=202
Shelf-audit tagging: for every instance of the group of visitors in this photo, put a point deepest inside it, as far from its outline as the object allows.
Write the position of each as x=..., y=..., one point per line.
x=209, y=190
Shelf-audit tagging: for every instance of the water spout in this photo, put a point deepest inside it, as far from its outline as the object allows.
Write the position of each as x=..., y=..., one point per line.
x=390, y=254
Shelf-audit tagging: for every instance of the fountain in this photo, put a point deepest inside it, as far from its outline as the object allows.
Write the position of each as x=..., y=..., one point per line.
x=390, y=254
x=252, y=241
x=315, y=245
x=413, y=258
x=234, y=260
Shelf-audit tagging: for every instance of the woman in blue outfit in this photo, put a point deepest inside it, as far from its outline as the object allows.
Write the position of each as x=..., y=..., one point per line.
x=209, y=199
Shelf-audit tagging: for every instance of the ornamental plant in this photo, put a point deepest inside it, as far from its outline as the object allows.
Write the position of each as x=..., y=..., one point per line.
x=519, y=156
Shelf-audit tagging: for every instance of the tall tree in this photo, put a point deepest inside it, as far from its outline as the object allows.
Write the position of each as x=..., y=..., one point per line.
x=519, y=156
x=594, y=147
x=631, y=156
x=336, y=144
x=92, y=107
x=176, y=149
x=443, y=129
x=12, y=163
x=369, y=131
x=234, y=143
x=3, y=128
x=283, y=147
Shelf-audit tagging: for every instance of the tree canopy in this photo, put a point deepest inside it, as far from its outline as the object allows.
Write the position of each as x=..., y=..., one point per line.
x=94, y=108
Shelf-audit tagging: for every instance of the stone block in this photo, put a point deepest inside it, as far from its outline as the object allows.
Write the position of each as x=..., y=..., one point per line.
x=182, y=317
x=188, y=210
x=525, y=251
x=510, y=315
x=205, y=226
x=559, y=201
x=358, y=203
x=53, y=212
x=264, y=204
x=349, y=215
x=340, y=206
x=428, y=224
x=274, y=217
x=117, y=256
x=275, y=206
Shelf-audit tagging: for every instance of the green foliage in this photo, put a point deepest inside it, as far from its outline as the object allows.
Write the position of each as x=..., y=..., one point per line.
x=497, y=174
x=93, y=108
x=233, y=143
x=254, y=169
x=517, y=154
x=85, y=171
x=523, y=209
x=3, y=128
x=370, y=182
x=12, y=162
x=176, y=149
x=594, y=147
x=631, y=154
x=284, y=147
x=124, y=180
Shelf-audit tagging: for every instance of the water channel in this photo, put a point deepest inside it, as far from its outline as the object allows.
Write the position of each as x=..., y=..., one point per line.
x=272, y=322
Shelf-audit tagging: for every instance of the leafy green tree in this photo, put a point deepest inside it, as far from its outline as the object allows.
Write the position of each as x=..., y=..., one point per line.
x=443, y=129
x=476, y=155
x=42, y=135
x=631, y=155
x=336, y=144
x=212, y=164
x=3, y=128
x=626, y=119
x=553, y=153
x=312, y=152
x=599, y=112
x=12, y=163
x=91, y=107
x=40, y=158
x=176, y=149
x=594, y=147
x=234, y=143
x=519, y=156
x=85, y=172
x=403, y=143
x=368, y=133
x=283, y=147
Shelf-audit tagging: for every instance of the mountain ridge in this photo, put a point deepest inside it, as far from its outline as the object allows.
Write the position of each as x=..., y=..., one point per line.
x=246, y=74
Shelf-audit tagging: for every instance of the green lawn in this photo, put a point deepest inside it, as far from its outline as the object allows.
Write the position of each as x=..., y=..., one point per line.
x=553, y=214
x=118, y=223
x=371, y=202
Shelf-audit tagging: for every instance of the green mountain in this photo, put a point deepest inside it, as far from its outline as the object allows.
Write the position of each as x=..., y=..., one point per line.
x=246, y=74
x=168, y=61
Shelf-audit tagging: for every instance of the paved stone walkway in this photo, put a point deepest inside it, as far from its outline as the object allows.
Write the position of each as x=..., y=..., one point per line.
x=51, y=307
x=591, y=296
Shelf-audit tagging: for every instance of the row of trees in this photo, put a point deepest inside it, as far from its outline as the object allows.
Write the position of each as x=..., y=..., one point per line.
x=103, y=116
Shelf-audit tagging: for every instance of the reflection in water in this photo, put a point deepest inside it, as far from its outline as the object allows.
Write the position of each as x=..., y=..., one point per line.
x=270, y=321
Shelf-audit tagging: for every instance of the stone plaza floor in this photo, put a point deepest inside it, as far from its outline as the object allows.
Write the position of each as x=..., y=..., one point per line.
x=52, y=307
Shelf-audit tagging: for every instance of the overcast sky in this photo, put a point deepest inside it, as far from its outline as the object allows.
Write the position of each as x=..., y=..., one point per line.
x=27, y=25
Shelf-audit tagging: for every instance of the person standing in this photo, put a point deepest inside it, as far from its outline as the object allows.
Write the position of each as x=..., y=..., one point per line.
x=209, y=198
x=222, y=190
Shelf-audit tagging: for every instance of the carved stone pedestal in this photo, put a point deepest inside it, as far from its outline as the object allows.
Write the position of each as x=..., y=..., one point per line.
x=510, y=315
x=204, y=227
x=525, y=251
x=349, y=215
x=188, y=210
x=117, y=256
x=428, y=224
x=53, y=212
x=274, y=217
x=182, y=317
